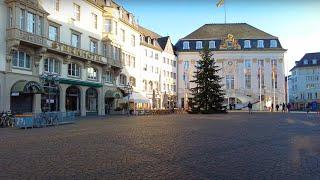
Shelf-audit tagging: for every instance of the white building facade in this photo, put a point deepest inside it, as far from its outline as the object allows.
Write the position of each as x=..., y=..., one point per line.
x=251, y=62
x=304, y=81
x=91, y=48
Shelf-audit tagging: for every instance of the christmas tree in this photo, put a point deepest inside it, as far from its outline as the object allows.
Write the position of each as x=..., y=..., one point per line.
x=208, y=95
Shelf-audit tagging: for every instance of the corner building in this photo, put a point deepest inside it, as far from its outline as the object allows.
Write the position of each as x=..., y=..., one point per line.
x=251, y=62
x=91, y=47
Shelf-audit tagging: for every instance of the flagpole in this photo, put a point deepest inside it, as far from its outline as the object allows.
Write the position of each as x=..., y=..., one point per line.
x=225, y=13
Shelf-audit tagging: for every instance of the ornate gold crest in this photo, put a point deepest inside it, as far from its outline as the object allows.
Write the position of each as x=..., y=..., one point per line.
x=230, y=43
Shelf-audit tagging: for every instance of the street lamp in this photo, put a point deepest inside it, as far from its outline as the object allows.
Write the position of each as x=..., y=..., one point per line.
x=50, y=81
x=129, y=90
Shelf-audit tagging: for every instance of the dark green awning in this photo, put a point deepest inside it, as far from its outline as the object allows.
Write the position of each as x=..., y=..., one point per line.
x=80, y=83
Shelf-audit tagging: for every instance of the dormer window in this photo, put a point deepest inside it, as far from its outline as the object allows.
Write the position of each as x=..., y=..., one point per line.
x=212, y=44
x=305, y=61
x=186, y=45
x=154, y=42
x=273, y=43
x=120, y=13
x=108, y=3
x=149, y=40
x=260, y=44
x=247, y=44
x=199, y=45
x=314, y=61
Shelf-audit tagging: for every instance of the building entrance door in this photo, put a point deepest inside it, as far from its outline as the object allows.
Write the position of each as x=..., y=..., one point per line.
x=73, y=99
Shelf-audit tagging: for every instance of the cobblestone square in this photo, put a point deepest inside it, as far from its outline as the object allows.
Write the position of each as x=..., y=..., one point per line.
x=231, y=146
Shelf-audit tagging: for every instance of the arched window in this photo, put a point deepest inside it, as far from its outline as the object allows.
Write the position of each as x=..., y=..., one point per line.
x=21, y=60
x=74, y=70
x=123, y=79
x=132, y=81
x=92, y=73
x=52, y=65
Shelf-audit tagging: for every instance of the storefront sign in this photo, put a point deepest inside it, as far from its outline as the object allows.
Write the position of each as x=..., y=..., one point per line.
x=15, y=94
x=76, y=52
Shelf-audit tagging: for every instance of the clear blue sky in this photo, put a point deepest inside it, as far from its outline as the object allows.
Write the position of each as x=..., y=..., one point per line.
x=295, y=22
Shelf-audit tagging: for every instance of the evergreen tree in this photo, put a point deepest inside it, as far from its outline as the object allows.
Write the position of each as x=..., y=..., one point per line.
x=208, y=95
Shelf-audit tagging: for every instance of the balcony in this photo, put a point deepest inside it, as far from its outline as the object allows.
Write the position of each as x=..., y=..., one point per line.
x=30, y=38
x=114, y=62
x=75, y=52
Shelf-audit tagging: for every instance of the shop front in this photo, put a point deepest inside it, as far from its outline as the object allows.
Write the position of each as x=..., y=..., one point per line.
x=23, y=96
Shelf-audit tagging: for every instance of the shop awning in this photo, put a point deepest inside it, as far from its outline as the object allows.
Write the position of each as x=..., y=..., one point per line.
x=113, y=94
x=80, y=83
x=138, y=98
x=26, y=87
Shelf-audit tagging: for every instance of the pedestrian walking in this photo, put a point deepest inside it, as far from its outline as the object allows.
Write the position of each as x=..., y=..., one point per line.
x=250, y=107
x=283, y=107
x=272, y=107
x=230, y=107
x=277, y=107
x=288, y=107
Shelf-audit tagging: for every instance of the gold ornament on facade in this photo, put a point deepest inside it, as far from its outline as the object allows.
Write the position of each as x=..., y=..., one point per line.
x=230, y=43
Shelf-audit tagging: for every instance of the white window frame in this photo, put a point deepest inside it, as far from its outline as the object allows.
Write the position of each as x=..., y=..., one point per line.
x=260, y=44
x=109, y=77
x=108, y=25
x=247, y=44
x=56, y=38
x=78, y=35
x=273, y=43
x=92, y=73
x=31, y=23
x=76, y=12
x=16, y=58
x=212, y=44
x=93, y=46
x=52, y=67
x=186, y=45
x=314, y=61
x=199, y=45
x=75, y=70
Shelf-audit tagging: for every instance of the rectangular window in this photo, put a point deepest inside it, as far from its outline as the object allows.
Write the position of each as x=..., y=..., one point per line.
x=199, y=45
x=174, y=63
x=21, y=60
x=31, y=23
x=108, y=25
x=75, y=40
x=247, y=44
x=109, y=77
x=230, y=82
x=93, y=46
x=76, y=11
x=248, y=81
x=22, y=19
x=53, y=33
x=115, y=27
x=186, y=65
x=260, y=44
x=10, y=17
x=94, y=20
x=186, y=45
x=164, y=60
x=40, y=26
x=273, y=43
x=133, y=41
x=156, y=56
x=212, y=44
x=57, y=5
x=123, y=35
x=248, y=64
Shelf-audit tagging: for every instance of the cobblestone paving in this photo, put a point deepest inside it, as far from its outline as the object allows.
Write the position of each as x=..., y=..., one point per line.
x=232, y=146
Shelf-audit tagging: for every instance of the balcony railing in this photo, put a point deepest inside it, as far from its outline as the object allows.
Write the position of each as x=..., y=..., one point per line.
x=114, y=62
x=76, y=52
x=18, y=34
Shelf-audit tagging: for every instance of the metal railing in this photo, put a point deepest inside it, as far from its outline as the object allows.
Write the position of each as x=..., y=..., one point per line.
x=45, y=119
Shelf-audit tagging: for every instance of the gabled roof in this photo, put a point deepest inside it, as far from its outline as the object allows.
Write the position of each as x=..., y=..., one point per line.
x=219, y=31
x=163, y=42
x=308, y=57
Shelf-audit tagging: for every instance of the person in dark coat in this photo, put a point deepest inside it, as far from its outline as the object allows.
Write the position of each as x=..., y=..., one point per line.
x=283, y=107
x=250, y=107
x=277, y=107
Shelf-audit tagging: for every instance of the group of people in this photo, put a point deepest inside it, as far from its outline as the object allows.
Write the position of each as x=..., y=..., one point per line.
x=284, y=107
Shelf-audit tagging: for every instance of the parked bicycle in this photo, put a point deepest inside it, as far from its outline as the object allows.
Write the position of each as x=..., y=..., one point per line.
x=7, y=119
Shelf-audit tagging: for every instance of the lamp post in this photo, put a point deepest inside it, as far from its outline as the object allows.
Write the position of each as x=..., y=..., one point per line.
x=129, y=90
x=50, y=81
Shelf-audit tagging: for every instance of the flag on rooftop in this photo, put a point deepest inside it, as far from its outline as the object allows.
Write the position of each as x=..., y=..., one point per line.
x=220, y=3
